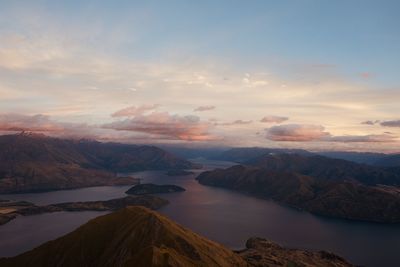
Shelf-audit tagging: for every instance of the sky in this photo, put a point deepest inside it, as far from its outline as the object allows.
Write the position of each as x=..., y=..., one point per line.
x=319, y=75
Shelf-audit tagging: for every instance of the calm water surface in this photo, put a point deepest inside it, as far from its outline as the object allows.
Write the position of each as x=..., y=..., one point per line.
x=221, y=215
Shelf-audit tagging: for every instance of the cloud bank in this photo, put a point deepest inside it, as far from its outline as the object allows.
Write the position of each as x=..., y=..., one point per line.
x=19, y=122
x=165, y=126
x=307, y=133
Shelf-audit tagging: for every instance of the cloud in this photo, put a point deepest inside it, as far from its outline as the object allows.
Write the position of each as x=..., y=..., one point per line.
x=296, y=132
x=236, y=122
x=38, y=122
x=305, y=133
x=164, y=125
x=79, y=76
x=19, y=51
x=394, y=123
x=369, y=122
x=371, y=138
x=133, y=110
x=154, y=126
x=241, y=122
x=273, y=119
x=204, y=108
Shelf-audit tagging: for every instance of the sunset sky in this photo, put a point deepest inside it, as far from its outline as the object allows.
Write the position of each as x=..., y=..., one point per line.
x=307, y=74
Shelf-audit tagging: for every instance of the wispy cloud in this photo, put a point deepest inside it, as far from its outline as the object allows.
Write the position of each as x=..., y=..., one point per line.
x=368, y=122
x=308, y=133
x=204, y=108
x=390, y=123
x=370, y=138
x=273, y=119
x=134, y=111
x=235, y=122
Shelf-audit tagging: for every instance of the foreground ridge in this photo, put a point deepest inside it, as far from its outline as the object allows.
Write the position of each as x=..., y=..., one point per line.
x=137, y=236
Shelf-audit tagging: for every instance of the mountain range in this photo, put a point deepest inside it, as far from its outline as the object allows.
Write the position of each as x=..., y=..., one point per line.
x=327, y=168
x=33, y=162
x=242, y=154
x=347, y=200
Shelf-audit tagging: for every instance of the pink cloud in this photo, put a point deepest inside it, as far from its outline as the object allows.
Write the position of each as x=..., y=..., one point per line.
x=204, y=108
x=165, y=125
x=296, y=132
x=37, y=123
x=306, y=133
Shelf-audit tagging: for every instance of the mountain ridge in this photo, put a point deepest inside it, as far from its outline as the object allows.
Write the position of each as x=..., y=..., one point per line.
x=137, y=236
x=327, y=168
x=346, y=200
x=34, y=163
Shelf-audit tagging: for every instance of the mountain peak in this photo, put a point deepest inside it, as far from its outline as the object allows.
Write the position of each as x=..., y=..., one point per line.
x=134, y=236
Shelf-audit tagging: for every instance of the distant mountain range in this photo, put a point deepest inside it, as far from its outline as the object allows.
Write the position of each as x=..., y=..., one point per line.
x=358, y=157
x=32, y=163
x=326, y=168
x=389, y=161
x=242, y=154
x=136, y=236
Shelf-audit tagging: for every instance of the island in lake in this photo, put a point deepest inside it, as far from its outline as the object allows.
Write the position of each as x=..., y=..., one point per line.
x=144, y=189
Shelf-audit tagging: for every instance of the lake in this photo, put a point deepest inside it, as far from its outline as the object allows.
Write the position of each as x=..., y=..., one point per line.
x=224, y=216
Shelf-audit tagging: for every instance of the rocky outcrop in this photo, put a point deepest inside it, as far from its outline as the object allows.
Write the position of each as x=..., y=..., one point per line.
x=260, y=252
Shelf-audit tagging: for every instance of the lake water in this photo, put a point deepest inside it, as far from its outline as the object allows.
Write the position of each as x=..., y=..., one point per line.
x=227, y=217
